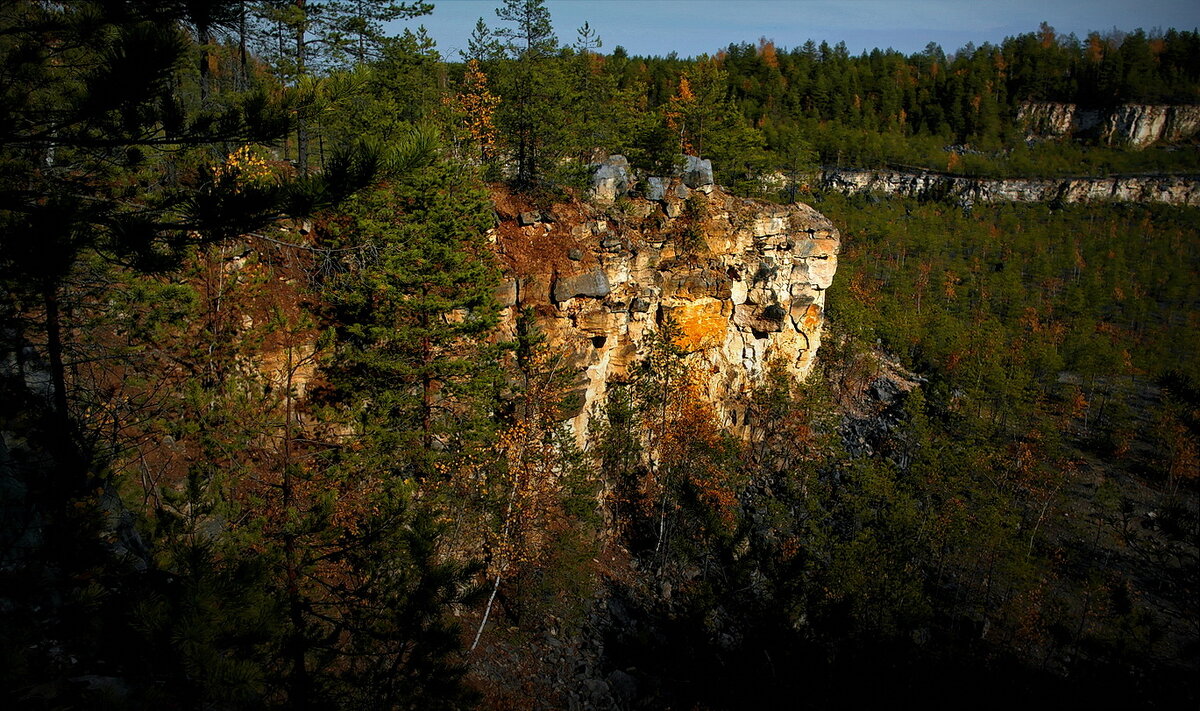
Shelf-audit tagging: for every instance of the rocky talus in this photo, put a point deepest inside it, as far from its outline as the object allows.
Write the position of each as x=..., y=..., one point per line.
x=744, y=281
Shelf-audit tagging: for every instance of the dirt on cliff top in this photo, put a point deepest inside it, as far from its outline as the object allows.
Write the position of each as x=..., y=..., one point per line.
x=545, y=246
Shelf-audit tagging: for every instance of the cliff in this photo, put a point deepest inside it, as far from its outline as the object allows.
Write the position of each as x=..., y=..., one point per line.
x=744, y=281
x=1169, y=189
x=1132, y=125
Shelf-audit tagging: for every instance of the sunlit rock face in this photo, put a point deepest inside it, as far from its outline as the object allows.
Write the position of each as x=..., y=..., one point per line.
x=743, y=281
x=1131, y=125
x=1169, y=189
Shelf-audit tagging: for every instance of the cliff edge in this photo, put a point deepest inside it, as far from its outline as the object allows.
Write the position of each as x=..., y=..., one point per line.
x=744, y=282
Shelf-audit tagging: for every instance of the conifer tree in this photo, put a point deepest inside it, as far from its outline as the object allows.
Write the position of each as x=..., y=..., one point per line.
x=109, y=172
x=532, y=87
x=305, y=38
x=410, y=317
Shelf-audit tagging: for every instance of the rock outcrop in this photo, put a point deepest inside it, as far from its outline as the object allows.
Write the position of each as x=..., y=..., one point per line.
x=1131, y=125
x=743, y=281
x=1169, y=189
x=611, y=178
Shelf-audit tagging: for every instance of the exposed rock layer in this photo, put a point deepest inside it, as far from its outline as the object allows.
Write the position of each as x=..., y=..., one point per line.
x=1170, y=189
x=1132, y=125
x=744, y=281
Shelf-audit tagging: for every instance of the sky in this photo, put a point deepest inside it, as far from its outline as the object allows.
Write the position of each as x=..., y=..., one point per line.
x=694, y=27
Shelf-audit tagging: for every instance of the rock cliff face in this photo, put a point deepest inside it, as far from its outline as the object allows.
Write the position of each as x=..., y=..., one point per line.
x=1131, y=125
x=744, y=281
x=1173, y=190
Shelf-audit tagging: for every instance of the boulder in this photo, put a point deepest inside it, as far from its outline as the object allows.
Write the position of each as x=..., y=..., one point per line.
x=656, y=189
x=696, y=173
x=767, y=319
x=506, y=293
x=593, y=284
x=611, y=179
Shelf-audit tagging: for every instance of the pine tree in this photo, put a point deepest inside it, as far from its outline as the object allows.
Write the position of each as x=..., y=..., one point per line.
x=533, y=90
x=410, y=318
x=306, y=38
x=113, y=175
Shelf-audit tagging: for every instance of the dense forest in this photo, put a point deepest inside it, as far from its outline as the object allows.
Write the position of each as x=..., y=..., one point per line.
x=262, y=444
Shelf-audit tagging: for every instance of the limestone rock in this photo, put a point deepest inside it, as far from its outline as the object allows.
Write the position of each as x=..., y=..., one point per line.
x=611, y=179
x=1046, y=119
x=764, y=319
x=1169, y=189
x=1133, y=125
x=697, y=173
x=506, y=293
x=750, y=290
x=702, y=323
x=656, y=189
x=592, y=284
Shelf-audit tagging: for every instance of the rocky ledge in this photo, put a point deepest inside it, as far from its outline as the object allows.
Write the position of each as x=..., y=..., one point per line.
x=1132, y=125
x=1169, y=189
x=743, y=280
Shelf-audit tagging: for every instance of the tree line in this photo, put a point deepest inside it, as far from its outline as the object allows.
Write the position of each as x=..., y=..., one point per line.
x=263, y=447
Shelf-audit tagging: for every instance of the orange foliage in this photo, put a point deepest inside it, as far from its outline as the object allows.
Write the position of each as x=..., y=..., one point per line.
x=477, y=108
x=678, y=108
x=531, y=482
x=690, y=435
x=766, y=51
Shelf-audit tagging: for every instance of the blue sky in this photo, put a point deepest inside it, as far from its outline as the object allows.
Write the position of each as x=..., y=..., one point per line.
x=693, y=27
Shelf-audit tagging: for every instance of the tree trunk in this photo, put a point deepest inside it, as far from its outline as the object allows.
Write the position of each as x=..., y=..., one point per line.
x=204, y=39
x=244, y=76
x=299, y=691
x=301, y=69
x=54, y=348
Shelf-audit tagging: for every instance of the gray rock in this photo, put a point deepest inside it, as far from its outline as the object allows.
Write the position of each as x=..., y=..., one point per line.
x=623, y=685
x=529, y=218
x=682, y=192
x=885, y=390
x=611, y=179
x=697, y=172
x=674, y=209
x=656, y=188
x=597, y=688
x=506, y=293
x=575, y=255
x=592, y=284
x=767, y=319
x=640, y=305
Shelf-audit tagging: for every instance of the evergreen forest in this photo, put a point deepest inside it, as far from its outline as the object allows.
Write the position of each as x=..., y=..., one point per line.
x=263, y=443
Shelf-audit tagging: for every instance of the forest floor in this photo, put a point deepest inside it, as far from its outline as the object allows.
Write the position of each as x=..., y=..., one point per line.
x=1123, y=526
